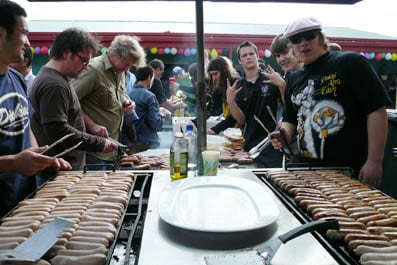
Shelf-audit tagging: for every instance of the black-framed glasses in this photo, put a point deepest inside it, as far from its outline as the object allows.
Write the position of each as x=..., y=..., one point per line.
x=84, y=60
x=307, y=35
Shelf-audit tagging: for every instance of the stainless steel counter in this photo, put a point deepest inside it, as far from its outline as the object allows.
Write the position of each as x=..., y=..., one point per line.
x=161, y=247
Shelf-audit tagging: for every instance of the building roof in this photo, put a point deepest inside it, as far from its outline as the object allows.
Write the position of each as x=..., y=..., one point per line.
x=188, y=27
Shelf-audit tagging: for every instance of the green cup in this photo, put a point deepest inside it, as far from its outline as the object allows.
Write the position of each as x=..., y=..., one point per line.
x=210, y=162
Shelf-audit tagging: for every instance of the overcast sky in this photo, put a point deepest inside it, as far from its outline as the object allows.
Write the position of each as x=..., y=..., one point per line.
x=377, y=16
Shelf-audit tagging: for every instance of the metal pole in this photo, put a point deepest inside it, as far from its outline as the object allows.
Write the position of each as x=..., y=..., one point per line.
x=201, y=88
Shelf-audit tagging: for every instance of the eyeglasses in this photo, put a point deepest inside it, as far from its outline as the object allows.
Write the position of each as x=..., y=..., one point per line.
x=84, y=60
x=307, y=35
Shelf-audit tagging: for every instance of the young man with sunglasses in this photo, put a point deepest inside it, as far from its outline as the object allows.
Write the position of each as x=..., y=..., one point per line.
x=57, y=108
x=335, y=106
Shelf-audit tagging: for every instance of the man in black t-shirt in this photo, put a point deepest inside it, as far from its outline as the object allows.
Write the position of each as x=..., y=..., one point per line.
x=250, y=97
x=335, y=106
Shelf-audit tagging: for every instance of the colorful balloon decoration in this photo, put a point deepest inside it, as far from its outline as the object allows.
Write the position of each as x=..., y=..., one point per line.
x=187, y=52
x=174, y=51
x=44, y=50
x=32, y=49
x=37, y=50
x=268, y=53
x=388, y=56
x=193, y=51
x=153, y=50
x=214, y=53
x=220, y=51
x=378, y=57
x=394, y=56
x=161, y=51
x=261, y=53
x=167, y=50
x=180, y=51
x=103, y=50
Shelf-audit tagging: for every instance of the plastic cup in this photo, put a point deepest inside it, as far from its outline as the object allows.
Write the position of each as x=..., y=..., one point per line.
x=210, y=162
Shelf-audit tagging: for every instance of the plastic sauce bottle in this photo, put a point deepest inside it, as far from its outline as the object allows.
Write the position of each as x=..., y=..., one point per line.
x=191, y=138
x=178, y=157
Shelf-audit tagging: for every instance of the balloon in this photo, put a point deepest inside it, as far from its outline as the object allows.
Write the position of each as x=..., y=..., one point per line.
x=167, y=50
x=153, y=50
x=261, y=53
x=37, y=50
x=268, y=53
x=378, y=57
x=219, y=50
x=388, y=56
x=193, y=51
x=44, y=50
x=103, y=50
x=187, y=52
x=161, y=51
x=32, y=49
x=174, y=51
x=180, y=51
x=394, y=56
x=214, y=53
x=371, y=55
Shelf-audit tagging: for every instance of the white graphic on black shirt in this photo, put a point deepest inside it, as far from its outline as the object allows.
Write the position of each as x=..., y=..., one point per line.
x=14, y=114
x=325, y=117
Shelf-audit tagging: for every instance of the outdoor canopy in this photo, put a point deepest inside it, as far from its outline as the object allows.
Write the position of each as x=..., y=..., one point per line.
x=201, y=87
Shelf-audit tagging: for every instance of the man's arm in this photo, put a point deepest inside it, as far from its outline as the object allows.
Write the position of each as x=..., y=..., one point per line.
x=27, y=162
x=371, y=172
x=94, y=128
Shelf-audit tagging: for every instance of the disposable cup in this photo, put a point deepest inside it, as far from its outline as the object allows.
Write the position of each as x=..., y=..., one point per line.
x=210, y=162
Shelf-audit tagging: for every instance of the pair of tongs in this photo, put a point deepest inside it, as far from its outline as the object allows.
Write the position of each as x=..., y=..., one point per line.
x=278, y=129
x=255, y=151
x=57, y=142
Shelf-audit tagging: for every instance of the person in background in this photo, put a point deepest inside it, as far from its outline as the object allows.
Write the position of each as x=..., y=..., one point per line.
x=220, y=69
x=158, y=89
x=335, y=106
x=69, y=57
x=128, y=132
x=334, y=47
x=25, y=69
x=250, y=98
x=183, y=83
x=20, y=158
x=281, y=49
x=147, y=108
x=101, y=91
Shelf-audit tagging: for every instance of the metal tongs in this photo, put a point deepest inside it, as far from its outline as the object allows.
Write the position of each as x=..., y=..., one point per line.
x=57, y=142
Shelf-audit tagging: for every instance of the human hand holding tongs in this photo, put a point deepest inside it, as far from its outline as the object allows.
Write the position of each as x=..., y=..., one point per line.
x=59, y=141
x=256, y=150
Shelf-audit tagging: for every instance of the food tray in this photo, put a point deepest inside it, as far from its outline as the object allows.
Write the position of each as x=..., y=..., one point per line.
x=339, y=252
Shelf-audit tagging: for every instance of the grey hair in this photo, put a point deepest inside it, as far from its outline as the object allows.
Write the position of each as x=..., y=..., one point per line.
x=124, y=46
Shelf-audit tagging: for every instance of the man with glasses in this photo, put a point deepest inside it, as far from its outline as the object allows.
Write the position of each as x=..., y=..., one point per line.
x=57, y=108
x=101, y=91
x=335, y=106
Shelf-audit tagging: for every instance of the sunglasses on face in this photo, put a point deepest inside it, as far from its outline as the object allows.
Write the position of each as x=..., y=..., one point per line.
x=307, y=35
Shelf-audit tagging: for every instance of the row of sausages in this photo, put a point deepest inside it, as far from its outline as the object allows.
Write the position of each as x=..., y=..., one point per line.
x=94, y=201
x=367, y=217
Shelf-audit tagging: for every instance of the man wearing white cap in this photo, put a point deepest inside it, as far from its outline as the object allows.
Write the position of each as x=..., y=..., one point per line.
x=335, y=106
